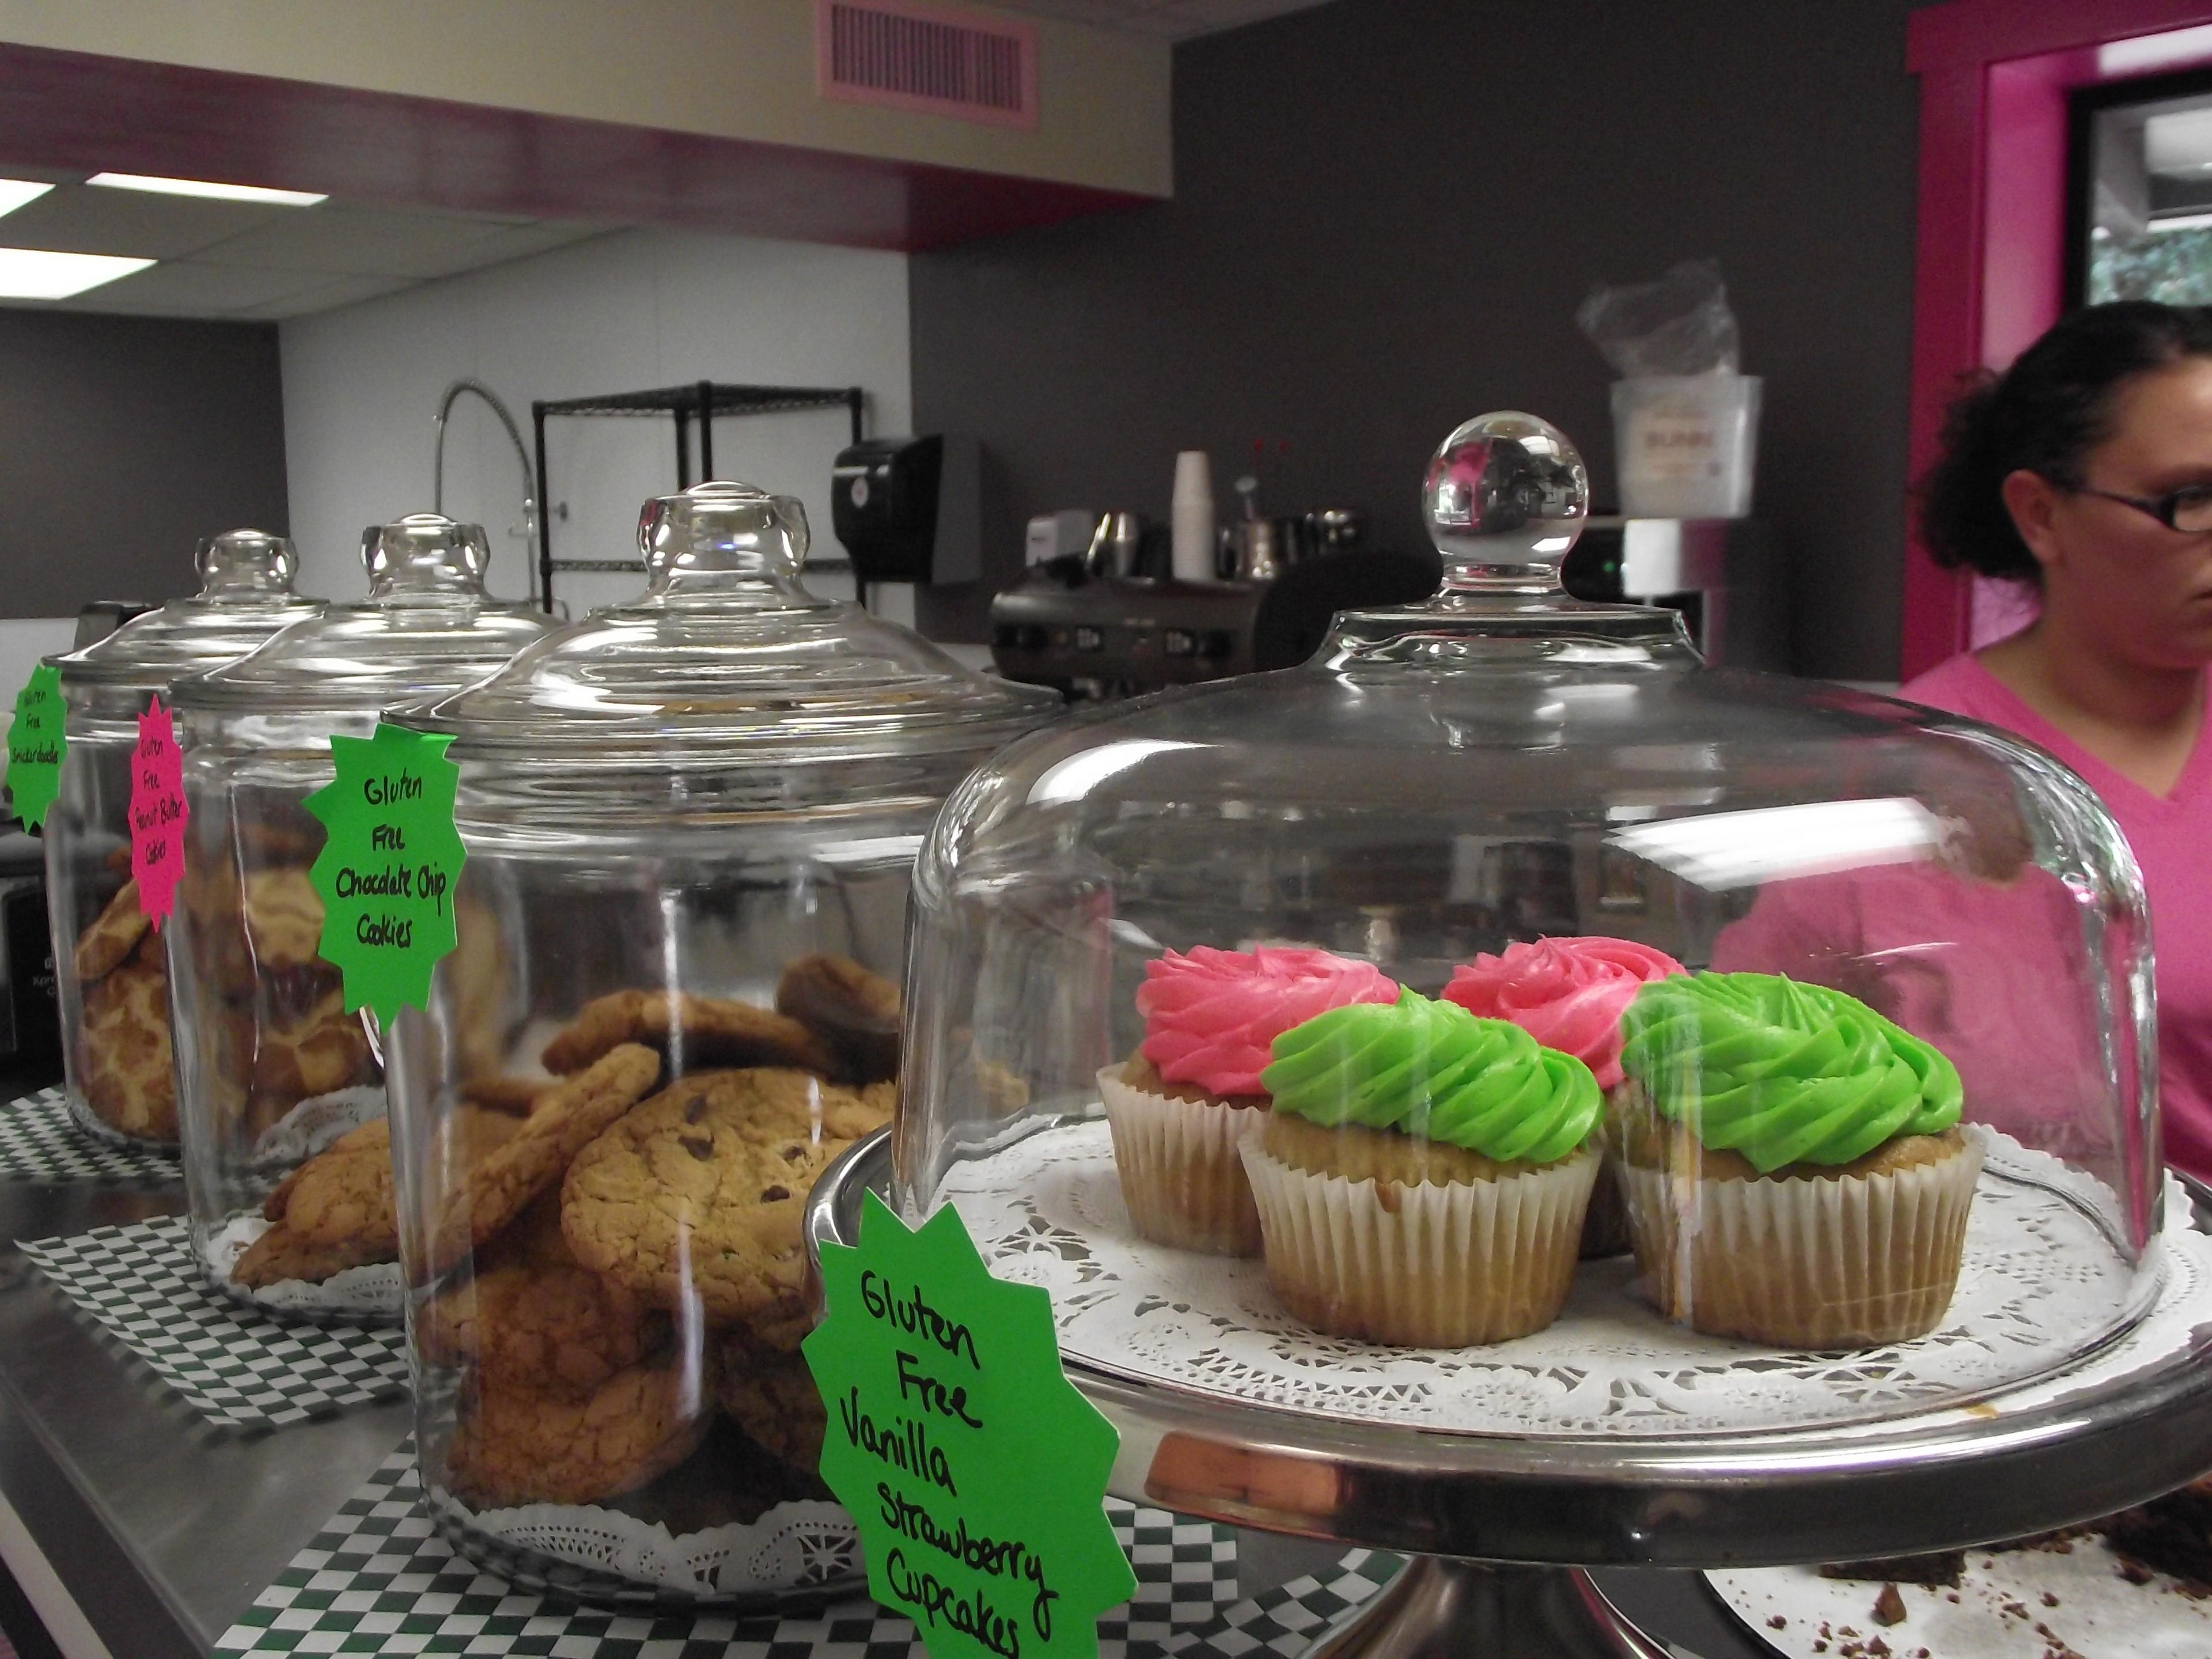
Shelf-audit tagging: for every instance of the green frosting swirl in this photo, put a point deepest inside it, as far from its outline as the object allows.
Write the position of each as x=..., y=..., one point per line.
x=1434, y=1070
x=1782, y=1072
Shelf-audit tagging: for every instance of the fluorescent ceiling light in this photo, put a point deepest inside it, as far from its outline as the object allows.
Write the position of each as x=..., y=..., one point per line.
x=2182, y=222
x=202, y=187
x=34, y=274
x=14, y=192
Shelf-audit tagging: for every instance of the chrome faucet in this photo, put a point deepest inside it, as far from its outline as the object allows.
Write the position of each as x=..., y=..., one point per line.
x=521, y=454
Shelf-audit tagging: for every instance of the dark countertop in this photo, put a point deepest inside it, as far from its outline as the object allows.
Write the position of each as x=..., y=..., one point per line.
x=136, y=1528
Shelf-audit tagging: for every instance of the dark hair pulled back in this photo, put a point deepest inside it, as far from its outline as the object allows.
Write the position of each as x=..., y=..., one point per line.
x=2043, y=413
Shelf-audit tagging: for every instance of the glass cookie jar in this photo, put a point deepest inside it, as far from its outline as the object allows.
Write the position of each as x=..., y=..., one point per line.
x=113, y=977
x=690, y=823
x=1503, y=1025
x=285, y=1147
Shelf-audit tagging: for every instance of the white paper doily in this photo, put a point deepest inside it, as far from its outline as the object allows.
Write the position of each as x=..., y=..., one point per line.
x=314, y=1123
x=1046, y=1210
x=2014, y=1604
x=794, y=1545
x=374, y=1293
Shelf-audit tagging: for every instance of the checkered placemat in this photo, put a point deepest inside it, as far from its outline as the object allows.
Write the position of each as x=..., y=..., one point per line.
x=379, y=1579
x=39, y=1141
x=239, y=1368
x=1286, y=1619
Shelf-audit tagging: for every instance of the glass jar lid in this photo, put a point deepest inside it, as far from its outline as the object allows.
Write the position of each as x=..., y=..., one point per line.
x=727, y=654
x=245, y=595
x=428, y=625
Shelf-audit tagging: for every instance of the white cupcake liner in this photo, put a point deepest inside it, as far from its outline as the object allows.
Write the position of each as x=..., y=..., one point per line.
x=1805, y=1261
x=1180, y=1176
x=1428, y=1266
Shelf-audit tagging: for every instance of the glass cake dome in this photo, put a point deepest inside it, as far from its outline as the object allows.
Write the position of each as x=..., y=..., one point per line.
x=1505, y=1024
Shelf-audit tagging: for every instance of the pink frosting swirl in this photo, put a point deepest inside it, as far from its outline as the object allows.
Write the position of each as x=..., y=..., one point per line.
x=1210, y=1017
x=1568, y=993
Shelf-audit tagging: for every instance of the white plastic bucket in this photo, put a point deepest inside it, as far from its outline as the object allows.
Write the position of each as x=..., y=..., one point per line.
x=1685, y=444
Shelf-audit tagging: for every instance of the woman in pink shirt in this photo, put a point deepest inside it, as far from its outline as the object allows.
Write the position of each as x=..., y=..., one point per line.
x=2085, y=471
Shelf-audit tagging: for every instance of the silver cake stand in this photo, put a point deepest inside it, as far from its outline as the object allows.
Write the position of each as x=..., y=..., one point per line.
x=1499, y=1530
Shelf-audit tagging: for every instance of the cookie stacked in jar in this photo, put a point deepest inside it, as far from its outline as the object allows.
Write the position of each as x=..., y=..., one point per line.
x=689, y=824
x=286, y=1147
x=111, y=964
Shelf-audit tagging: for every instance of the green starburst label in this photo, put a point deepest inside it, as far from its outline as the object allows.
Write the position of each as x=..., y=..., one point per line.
x=36, y=745
x=386, y=875
x=974, y=1471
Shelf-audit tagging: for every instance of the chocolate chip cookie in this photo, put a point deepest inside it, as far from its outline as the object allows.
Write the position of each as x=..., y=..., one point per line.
x=695, y=1032
x=496, y=1190
x=343, y=1193
x=514, y=1094
x=515, y=1444
x=772, y=1397
x=852, y=1010
x=114, y=935
x=335, y=1211
x=280, y=1255
x=559, y=1329
x=700, y=1190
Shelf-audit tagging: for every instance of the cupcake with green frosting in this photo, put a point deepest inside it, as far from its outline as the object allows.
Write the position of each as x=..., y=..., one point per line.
x=1422, y=1173
x=1793, y=1164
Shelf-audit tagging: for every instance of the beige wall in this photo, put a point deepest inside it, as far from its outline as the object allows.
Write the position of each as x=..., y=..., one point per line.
x=730, y=69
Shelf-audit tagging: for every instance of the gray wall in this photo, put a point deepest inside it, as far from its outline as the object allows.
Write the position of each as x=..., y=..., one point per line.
x=127, y=439
x=1385, y=213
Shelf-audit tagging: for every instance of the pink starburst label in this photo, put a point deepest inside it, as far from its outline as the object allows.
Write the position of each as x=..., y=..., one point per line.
x=157, y=812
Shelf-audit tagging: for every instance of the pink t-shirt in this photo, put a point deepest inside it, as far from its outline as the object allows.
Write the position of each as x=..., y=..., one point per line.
x=2170, y=837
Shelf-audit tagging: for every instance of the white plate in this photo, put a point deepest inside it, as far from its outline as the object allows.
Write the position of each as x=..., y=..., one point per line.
x=2035, y=1603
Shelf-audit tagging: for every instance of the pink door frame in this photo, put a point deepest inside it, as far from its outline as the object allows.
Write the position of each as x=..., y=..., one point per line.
x=1994, y=79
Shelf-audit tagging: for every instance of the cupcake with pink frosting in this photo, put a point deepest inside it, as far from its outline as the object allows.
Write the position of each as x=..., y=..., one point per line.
x=1178, y=1106
x=1569, y=994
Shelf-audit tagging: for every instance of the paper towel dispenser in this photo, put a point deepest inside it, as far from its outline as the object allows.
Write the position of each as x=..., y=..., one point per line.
x=906, y=509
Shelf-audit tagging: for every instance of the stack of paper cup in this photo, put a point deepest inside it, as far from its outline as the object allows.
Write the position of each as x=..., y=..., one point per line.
x=1190, y=516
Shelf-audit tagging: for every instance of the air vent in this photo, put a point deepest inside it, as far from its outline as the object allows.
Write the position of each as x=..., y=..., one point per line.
x=888, y=52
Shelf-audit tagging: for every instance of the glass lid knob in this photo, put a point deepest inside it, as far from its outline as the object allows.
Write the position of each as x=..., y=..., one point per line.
x=1505, y=498
x=722, y=530
x=424, y=553
x=246, y=561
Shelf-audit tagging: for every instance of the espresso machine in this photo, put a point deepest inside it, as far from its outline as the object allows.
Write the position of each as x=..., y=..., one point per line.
x=1109, y=622
x=1719, y=572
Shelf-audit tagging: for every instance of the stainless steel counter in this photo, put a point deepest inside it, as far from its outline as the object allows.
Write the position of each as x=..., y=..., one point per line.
x=140, y=1532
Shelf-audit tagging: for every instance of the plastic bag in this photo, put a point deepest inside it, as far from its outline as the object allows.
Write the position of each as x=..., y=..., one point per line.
x=1680, y=324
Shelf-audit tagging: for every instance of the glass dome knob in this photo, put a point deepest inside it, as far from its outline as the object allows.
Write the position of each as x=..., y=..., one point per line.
x=245, y=559
x=1505, y=498
x=722, y=529
x=425, y=553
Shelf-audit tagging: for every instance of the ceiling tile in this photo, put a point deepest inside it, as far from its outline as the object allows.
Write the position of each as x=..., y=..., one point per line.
x=540, y=237
x=1176, y=19
x=82, y=219
x=1156, y=21
x=1111, y=13
x=358, y=242
x=186, y=287
x=327, y=295
x=49, y=175
x=1210, y=15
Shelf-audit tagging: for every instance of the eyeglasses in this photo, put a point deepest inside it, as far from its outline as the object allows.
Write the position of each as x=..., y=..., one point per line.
x=2189, y=511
